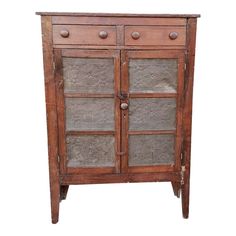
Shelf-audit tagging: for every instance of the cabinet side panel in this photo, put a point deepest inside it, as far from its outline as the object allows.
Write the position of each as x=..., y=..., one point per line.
x=187, y=114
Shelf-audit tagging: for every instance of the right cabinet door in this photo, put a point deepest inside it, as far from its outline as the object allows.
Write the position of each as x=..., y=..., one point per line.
x=152, y=123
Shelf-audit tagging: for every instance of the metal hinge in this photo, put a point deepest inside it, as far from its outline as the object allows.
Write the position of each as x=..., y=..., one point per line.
x=182, y=175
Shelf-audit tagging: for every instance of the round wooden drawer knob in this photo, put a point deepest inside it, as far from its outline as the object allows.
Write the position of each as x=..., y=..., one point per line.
x=124, y=106
x=103, y=34
x=64, y=33
x=173, y=35
x=135, y=35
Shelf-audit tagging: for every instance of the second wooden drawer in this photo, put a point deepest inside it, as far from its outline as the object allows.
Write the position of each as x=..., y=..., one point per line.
x=87, y=35
x=155, y=35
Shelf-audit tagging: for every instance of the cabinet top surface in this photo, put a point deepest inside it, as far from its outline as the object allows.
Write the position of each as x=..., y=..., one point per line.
x=117, y=14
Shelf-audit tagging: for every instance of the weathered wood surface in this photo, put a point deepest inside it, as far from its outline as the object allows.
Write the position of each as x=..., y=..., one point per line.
x=154, y=35
x=88, y=35
x=84, y=75
x=50, y=93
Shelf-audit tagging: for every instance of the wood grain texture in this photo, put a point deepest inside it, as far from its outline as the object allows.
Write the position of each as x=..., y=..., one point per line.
x=117, y=75
x=90, y=60
x=179, y=111
x=120, y=178
x=153, y=95
x=176, y=186
x=87, y=35
x=124, y=113
x=90, y=53
x=88, y=95
x=187, y=114
x=95, y=20
x=52, y=129
x=154, y=35
x=118, y=14
x=60, y=109
x=120, y=47
x=63, y=192
x=91, y=170
x=151, y=169
x=140, y=132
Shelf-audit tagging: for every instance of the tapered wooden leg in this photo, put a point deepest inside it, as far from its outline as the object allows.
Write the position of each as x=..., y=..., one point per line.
x=63, y=192
x=55, y=201
x=176, y=188
x=185, y=197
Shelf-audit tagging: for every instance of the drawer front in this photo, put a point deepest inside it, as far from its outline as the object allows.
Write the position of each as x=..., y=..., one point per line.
x=155, y=35
x=86, y=35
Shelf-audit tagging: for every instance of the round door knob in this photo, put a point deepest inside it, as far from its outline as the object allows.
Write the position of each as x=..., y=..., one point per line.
x=135, y=35
x=124, y=106
x=64, y=33
x=103, y=34
x=173, y=35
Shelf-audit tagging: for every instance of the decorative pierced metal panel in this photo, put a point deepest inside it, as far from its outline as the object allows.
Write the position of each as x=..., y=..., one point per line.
x=89, y=114
x=90, y=151
x=152, y=114
x=153, y=75
x=88, y=75
x=148, y=150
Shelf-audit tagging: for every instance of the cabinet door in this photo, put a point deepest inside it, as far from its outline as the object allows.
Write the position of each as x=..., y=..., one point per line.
x=88, y=110
x=152, y=86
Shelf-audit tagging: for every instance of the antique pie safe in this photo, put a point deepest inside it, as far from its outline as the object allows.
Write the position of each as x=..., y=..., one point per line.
x=118, y=99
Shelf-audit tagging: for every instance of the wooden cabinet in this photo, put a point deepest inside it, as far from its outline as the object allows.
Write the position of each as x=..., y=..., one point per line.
x=118, y=99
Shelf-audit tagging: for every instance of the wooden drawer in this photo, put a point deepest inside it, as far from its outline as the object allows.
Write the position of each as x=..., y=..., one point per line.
x=82, y=34
x=155, y=35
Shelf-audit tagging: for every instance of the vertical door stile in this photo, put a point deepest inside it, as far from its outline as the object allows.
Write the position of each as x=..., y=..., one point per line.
x=124, y=113
x=60, y=109
x=117, y=74
x=179, y=111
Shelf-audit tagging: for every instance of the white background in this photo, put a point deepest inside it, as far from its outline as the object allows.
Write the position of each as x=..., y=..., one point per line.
x=116, y=209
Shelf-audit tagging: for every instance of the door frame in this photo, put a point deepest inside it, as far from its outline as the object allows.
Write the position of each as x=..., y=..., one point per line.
x=146, y=54
x=62, y=133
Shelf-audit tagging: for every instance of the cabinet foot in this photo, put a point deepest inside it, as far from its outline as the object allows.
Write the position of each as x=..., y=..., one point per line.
x=176, y=188
x=55, y=201
x=63, y=191
x=185, y=199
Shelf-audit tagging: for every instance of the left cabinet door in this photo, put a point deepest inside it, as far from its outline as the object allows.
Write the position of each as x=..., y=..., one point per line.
x=88, y=82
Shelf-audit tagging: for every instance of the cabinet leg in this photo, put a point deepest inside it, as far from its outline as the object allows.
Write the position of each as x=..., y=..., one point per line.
x=176, y=188
x=63, y=191
x=185, y=198
x=55, y=201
